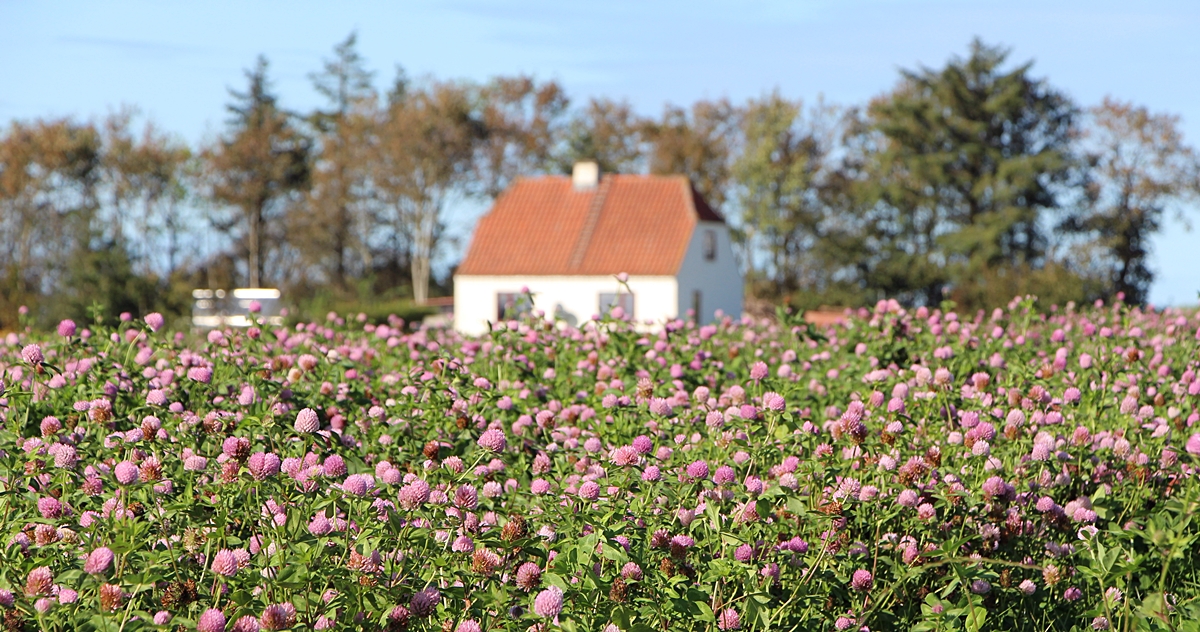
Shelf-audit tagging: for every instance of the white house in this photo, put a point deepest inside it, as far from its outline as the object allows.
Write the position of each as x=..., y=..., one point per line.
x=565, y=239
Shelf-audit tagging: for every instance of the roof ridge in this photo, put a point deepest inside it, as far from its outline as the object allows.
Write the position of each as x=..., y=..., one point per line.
x=589, y=224
x=689, y=198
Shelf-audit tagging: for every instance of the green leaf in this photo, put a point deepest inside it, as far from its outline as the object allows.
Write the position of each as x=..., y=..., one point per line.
x=554, y=579
x=615, y=553
x=796, y=505
x=104, y=624
x=729, y=538
x=754, y=611
x=587, y=548
x=621, y=617
x=975, y=618
x=714, y=516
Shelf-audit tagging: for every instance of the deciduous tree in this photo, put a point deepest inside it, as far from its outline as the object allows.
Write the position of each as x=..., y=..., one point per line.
x=49, y=172
x=607, y=132
x=700, y=143
x=143, y=185
x=522, y=119
x=426, y=141
x=780, y=176
x=1140, y=168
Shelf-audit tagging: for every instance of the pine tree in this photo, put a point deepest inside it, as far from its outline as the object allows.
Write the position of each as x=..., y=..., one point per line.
x=969, y=160
x=256, y=169
x=337, y=222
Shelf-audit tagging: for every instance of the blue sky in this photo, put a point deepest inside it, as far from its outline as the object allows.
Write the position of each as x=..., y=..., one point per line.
x=176, y=60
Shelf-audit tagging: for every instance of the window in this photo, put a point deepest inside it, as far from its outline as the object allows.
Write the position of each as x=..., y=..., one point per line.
x=710, y=245
x=609, y=300
x=696, y=305
x=512, y=305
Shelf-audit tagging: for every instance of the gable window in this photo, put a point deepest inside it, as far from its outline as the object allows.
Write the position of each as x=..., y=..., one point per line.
x=512, y=305
x=609, y=300
x=710, y=245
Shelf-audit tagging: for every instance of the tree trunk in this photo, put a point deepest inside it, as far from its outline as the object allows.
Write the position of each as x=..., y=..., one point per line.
x=420, y=274
x=341, y=227
x=255, y=247
x=422, y=251
x=339, y=244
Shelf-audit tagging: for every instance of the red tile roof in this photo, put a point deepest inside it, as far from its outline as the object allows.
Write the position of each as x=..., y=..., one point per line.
x=628, y=223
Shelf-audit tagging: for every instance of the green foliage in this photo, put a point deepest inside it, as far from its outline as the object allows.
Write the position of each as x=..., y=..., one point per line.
x=969, y=162
x=103, y=278
x=784, y=177
x=376, y=311
x=1053, y=283
x=606, y=132
x=379, y=307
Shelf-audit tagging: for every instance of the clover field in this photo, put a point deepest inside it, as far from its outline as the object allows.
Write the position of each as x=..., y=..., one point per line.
x=906, y=470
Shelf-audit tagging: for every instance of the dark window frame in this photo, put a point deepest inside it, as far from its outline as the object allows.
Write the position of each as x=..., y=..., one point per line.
x=710, y=244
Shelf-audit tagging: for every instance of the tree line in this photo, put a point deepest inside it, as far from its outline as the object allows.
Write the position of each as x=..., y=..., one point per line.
x=972, y=182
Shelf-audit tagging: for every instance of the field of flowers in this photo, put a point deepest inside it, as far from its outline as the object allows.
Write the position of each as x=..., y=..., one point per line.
x=909, y=470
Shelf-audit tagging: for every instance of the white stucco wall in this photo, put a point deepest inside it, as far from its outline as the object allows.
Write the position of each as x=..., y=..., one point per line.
x=475, y=297
x=719, y=282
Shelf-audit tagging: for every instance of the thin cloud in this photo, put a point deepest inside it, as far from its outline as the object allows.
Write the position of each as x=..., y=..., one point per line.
x=136, y=47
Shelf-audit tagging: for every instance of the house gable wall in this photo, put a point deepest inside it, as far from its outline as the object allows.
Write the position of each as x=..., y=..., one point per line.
x=719, y=281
